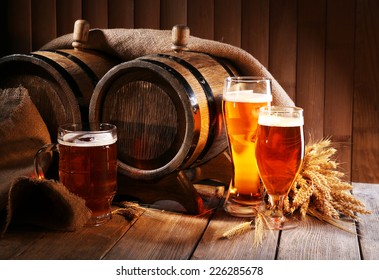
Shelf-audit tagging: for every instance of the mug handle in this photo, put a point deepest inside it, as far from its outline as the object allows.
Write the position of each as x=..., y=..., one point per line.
x=40, y=162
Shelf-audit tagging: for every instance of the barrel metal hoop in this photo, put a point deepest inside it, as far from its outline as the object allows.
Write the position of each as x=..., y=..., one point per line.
x=210, y=100
x=191, y=95
x=71, y=82
x=86, y=69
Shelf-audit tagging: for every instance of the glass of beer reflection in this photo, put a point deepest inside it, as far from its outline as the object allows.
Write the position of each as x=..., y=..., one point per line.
x=242, y=98
x=279, y=153
x=87, y=165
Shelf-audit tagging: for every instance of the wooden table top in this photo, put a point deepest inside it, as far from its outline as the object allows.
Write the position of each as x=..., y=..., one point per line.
x=165, y=235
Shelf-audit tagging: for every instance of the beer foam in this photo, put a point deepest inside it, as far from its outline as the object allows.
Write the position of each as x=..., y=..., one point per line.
x=247, y=96
x=82, y=139
x=280, y=121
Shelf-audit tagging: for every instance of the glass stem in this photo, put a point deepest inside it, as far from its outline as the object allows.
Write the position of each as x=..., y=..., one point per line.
x=277, y=202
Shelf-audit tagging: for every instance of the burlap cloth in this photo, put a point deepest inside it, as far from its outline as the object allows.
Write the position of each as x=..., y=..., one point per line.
x=44, y=203
x=128, y=44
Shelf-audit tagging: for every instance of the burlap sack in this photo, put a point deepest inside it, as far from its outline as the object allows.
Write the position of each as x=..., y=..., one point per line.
x=128, y=44
x=40, y=202
x=45, y=203
x=22, y=133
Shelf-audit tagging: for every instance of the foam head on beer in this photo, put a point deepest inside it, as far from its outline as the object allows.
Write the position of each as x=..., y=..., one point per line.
x=82, y=139
x=280, y=120
x=247, y=96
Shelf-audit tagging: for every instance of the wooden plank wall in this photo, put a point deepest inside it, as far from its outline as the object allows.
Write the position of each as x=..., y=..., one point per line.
x=323, y=52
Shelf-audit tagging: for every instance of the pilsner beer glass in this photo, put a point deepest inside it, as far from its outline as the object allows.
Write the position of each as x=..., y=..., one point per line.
x=87, y=165
x=279, y=152
x=242, y=98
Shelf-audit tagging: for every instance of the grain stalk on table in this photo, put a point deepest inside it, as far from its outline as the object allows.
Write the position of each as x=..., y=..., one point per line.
x=129, y=210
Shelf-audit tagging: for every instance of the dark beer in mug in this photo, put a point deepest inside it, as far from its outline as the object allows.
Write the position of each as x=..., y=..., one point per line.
x=88, y=168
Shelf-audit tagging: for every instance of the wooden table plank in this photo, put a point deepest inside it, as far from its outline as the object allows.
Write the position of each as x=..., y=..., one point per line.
x=316, y=240
x=87, y=243
x=160, y=235
x=164, y=235
x=368, y=224
x=15, y=241
x=241, y=247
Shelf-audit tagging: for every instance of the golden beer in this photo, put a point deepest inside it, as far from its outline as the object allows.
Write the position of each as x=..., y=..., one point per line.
x=240, y=111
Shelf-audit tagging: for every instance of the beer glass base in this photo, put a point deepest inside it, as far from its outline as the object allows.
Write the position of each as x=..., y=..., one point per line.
x=98, y=220
x=283, y=223
x=244, y=210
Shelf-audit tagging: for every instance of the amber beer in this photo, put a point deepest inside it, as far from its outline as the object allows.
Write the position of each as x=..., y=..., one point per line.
x=241, y=110
x=88, y=167
x=279, y=150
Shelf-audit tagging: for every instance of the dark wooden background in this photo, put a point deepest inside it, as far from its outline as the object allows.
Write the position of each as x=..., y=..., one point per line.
x=325, y=53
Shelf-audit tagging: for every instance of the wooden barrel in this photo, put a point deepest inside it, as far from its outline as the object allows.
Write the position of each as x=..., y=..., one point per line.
x=167, y=108
x=60, y=82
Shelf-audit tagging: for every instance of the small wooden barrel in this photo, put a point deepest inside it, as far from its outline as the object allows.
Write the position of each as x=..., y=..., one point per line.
x=60, y=82
x=167, y=108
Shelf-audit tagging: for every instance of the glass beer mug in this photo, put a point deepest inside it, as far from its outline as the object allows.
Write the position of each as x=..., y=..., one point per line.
x=87, y=165
x=242, y=99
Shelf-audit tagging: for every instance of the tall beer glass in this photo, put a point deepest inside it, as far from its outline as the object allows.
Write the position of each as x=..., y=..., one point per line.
x=87, y=165
x=279, y=152
x=242, y=98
